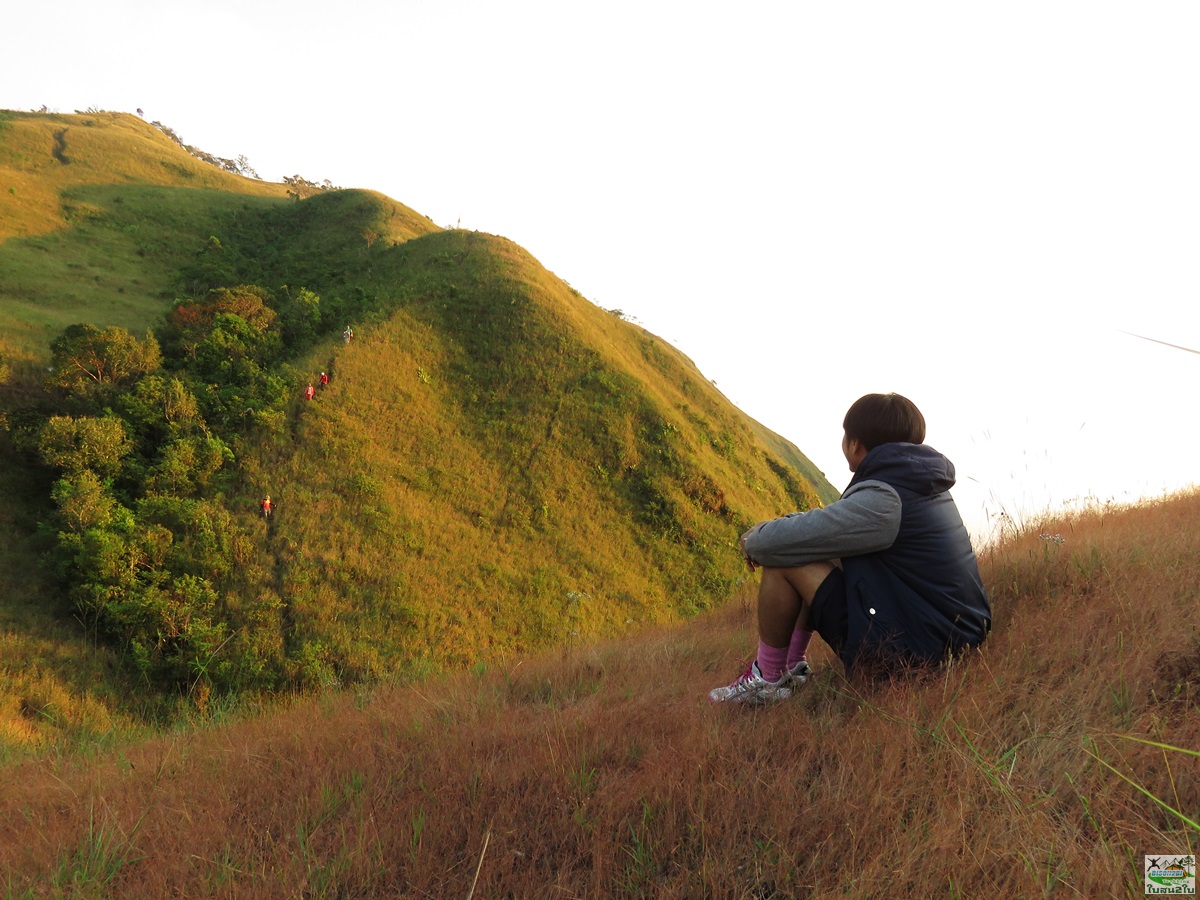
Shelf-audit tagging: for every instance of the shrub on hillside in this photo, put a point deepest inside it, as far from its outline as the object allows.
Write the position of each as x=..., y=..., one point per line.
x=159, y=409
x=190, y=321
x=87, y=360
x=146, y=559
x=76, y=444
x=225, y=347
x=152, y=578
x=300, y=317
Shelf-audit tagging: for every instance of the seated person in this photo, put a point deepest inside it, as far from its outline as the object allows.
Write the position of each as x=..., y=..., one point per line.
x=886, y=575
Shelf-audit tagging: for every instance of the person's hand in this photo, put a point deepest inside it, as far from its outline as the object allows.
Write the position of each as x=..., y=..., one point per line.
x=746, y=556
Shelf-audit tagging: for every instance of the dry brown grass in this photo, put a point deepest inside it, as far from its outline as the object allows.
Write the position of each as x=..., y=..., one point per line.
x=603, y=771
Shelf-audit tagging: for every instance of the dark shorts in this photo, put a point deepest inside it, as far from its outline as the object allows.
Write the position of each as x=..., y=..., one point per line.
x=828, y=616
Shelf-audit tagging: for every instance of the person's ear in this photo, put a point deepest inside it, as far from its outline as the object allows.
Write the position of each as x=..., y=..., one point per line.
x=855, y=451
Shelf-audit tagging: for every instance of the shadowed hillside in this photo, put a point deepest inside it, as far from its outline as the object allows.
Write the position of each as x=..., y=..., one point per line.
x=496, y=465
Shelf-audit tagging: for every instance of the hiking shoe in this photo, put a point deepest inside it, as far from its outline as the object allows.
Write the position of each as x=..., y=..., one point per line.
x=751, y=688
x=799, y=673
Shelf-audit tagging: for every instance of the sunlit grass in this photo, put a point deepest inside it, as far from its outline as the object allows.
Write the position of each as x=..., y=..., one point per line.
x=1049, y=762
x=500, y=535
x=116, y=264
x=499, y=466
x=44, y=157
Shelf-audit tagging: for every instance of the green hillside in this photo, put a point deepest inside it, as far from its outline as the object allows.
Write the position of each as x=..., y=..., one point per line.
x=100, y=214
x=500, y=465
x=496, y=464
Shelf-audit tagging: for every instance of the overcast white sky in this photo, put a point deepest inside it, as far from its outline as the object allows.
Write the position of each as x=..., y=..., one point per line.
x=966, y=203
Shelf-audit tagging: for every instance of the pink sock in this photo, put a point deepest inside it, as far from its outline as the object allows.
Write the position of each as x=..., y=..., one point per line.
x=799, y=648
x=771, y=661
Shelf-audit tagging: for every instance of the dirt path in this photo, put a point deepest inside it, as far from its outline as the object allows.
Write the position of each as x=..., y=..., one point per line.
x=60, y=147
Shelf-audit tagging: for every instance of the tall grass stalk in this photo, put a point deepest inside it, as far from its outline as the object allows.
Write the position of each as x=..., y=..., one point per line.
x=1093, y=752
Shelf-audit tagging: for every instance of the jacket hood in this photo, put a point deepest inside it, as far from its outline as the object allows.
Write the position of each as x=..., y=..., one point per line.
x=913, y=467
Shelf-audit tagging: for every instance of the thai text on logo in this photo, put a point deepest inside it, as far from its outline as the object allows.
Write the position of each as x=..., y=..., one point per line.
x=1171, y=875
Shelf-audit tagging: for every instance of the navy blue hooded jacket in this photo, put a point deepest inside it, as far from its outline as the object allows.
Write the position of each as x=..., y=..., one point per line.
x=913, y=590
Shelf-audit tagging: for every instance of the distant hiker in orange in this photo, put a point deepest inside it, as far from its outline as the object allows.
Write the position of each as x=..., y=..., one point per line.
x=309, y=391
x=266, y=506
x=324, y=380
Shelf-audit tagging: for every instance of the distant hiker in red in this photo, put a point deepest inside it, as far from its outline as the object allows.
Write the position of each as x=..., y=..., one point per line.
x=309, y=391
x=266, y=506
x=324, y=380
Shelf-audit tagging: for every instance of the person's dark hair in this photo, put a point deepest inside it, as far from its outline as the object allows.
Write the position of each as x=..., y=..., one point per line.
x=877, y=419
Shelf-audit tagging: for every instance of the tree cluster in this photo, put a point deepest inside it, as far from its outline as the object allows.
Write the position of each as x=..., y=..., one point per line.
x=239, y=166
x=300, y=187
x=140, y=436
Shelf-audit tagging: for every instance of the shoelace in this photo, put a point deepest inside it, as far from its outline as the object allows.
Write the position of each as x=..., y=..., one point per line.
x=746, y=673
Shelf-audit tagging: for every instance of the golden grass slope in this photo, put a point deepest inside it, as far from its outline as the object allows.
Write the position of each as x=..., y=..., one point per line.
x=499, y=466
x=1043, y=765
x=98, y=212
x=69, y=250
x=44, y=156
x=101, y=212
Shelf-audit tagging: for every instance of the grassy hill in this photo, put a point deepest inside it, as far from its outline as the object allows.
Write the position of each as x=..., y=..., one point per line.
x=501, y=465
x=97, y=214
x=100, y=214
x=497, y=465
x=1050, y=763
x=475, y=640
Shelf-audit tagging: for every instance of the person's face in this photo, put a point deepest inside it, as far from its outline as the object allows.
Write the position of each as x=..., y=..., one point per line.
x=853, y=450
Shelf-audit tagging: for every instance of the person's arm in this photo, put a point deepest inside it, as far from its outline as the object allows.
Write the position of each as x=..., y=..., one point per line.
x=865, y=520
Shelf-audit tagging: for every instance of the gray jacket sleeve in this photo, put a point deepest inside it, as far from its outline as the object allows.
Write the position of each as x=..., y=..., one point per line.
x=865, y=520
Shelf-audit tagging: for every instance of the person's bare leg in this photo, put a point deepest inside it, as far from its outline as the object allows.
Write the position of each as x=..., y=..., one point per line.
x=784, y=598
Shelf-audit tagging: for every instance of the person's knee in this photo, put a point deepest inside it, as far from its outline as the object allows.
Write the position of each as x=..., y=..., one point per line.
x=804, y=579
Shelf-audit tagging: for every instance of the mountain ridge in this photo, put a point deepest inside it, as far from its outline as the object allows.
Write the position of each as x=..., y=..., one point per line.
x=469, y=653
x=496, y=465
